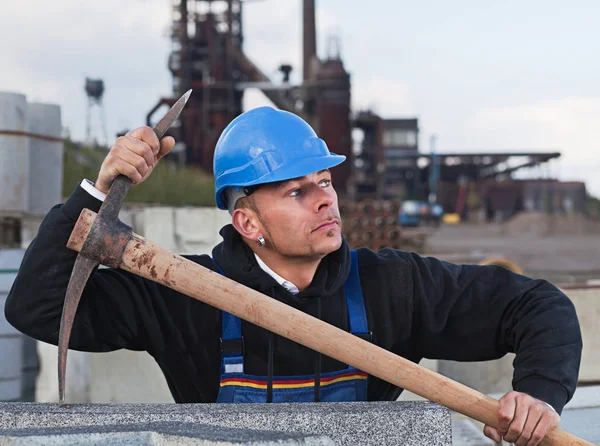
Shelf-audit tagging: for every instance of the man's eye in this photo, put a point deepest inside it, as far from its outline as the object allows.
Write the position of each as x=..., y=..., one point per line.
x=325, y=183
x=295, y=193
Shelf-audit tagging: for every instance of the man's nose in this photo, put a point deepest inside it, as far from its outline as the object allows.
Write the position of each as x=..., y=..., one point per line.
x=324, y=200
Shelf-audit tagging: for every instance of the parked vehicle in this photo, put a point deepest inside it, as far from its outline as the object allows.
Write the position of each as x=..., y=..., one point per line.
x=415, y=213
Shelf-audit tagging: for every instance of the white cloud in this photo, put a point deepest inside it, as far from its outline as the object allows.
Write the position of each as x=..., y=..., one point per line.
x=568, y=125
x=278, y=39
x=387, y=97
x=53, y=46
x=254, y=98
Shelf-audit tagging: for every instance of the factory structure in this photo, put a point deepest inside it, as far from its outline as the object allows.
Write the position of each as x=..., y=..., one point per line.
x=385, y=162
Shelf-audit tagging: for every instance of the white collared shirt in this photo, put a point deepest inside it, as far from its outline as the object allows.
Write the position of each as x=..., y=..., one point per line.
x=88, y=186
x=280, y=280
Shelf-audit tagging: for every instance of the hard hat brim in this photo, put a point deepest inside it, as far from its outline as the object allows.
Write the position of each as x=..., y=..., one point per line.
x=298, y=169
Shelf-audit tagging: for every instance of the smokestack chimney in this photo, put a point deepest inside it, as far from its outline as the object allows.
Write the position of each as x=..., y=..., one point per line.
x=186, y=75
x=309, y=37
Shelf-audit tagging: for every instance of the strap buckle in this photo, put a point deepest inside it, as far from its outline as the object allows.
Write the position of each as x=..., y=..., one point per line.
x=232, y=346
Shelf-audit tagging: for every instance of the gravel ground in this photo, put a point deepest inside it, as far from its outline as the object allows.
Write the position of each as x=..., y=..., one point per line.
x=563, y=258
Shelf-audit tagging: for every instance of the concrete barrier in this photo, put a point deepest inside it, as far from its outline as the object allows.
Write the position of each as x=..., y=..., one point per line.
x=11, y=340
x=587, y=304
x=389, y=423
x=180, y=230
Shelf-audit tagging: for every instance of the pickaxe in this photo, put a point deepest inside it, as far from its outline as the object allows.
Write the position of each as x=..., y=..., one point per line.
x=102, y=238
x=99, y=249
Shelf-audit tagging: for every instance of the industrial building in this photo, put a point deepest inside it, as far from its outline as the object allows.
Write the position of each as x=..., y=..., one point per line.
x=385, y=159
x=208, y=56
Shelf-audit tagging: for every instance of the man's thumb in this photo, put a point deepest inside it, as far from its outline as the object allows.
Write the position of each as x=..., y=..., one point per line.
x=492, y=433
x=166, y=145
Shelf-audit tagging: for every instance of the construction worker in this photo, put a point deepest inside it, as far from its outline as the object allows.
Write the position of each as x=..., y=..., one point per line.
x=272, y=173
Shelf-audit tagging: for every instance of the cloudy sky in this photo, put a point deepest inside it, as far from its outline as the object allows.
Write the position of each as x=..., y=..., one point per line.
x=485, y=76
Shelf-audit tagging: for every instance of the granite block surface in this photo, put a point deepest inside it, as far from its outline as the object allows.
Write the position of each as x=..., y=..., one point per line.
x=156, y=434
x=371, y=423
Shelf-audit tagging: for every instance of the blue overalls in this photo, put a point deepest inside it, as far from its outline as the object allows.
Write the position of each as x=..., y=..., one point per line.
x=349, y=384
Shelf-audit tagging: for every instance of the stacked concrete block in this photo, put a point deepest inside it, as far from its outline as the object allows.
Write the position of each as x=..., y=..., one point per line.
x=46, y=151
x=31, y=150
x=14, y=153
x=180, y=230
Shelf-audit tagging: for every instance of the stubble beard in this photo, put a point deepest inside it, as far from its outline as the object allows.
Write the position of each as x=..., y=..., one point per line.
x=308, y=253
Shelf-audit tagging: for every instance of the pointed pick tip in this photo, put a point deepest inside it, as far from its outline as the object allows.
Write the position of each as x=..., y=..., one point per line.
x=187, y=95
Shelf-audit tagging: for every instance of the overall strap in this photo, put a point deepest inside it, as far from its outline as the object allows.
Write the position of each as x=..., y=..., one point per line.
x=232, y=341
x=355, y=302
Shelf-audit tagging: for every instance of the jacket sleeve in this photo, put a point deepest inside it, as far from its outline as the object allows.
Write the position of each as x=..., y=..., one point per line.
x=476, y=313
x=112, y=306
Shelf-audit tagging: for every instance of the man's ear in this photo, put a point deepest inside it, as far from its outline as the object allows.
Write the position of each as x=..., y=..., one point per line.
x=246, y=222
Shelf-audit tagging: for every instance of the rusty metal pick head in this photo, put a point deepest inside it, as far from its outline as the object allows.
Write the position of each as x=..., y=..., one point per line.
x=167, y=121
x=79, y=276
x=106, y=227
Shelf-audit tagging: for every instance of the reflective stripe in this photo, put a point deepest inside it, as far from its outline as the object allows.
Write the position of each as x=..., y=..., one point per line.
x=291, y=384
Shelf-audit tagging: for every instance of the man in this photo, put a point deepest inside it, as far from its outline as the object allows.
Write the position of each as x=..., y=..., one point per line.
x=272, y=174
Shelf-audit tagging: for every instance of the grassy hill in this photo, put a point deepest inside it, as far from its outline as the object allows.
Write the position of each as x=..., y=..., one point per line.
x=168, y=185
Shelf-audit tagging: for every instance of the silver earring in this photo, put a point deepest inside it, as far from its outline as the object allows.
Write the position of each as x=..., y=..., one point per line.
x=261, y=241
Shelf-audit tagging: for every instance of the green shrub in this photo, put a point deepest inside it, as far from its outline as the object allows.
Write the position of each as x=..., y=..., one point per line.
x=168, y=185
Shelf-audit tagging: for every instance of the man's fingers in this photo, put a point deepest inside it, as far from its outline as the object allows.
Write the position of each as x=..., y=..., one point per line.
x=506, y=413
x=130, y=157
x=121, y=161
x=133, y=155
x=533, y=417
x=166, y=145
x=518, y=422
x=547, y=421
x=125, y=169
x=492, y=433
x=523, y=420
x=142, y=149
x=147, y=135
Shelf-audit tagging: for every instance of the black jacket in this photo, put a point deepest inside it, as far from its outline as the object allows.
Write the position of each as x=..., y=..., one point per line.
x=417, y=307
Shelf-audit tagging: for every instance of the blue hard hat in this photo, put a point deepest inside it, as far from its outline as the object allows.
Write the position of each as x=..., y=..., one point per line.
x=264, y=145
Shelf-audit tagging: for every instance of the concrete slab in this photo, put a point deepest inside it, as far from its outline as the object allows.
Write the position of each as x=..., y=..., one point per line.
x=156, y=434
x=466, y=432
x=584, y=423
x=372, y=423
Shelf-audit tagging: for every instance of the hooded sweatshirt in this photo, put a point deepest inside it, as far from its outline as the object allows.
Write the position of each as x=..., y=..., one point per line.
x=417, y=307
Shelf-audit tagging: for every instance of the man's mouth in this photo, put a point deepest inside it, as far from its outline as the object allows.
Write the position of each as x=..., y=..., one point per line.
x=327, y=225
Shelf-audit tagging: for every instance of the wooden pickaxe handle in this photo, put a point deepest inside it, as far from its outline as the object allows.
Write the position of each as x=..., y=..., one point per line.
x=145, y=259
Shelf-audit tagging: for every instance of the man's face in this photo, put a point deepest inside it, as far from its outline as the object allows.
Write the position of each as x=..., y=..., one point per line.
x=300, y=217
